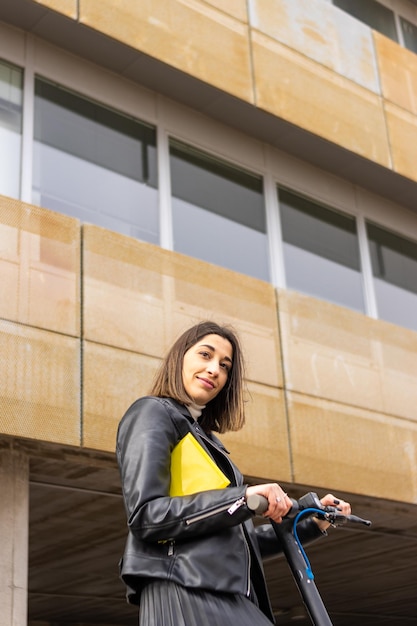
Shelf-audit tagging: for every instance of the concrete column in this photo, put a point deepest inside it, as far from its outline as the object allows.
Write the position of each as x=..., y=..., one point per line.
x=14, y=533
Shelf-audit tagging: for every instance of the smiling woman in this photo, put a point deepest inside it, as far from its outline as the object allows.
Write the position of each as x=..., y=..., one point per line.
x=178, y=528
x=225, y=411
x=206, y=367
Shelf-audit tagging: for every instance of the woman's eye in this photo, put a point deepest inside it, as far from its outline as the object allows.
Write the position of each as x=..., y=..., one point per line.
x=225, y=366
x=205, y=354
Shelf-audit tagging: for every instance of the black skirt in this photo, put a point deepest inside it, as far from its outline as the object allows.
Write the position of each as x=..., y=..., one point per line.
x=164, y=603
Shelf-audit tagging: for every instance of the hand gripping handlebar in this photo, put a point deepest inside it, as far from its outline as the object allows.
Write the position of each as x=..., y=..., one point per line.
x=259, y=504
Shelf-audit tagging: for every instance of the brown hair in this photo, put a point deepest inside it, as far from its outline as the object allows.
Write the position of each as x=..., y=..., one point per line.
x=226, y=411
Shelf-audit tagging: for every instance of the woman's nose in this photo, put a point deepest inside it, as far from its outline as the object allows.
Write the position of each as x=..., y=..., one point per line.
x=213, y=368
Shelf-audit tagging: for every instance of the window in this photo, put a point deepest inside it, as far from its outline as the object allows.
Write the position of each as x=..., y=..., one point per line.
x=394, y=266
x=218, y=212
x=11, y=95
x=409, y=32
x=321, y=251
x=94, y=163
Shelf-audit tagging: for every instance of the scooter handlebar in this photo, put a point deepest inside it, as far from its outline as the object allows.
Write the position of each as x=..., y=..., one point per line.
x=259, y=504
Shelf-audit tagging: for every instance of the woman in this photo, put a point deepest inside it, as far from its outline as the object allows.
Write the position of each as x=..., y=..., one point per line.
x=195, y=558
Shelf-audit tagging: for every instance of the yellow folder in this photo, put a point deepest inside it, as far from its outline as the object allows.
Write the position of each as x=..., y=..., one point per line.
x=193, y=469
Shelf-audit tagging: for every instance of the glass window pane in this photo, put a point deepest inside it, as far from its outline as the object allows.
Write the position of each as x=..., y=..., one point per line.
x=394, y=266
x=321, y=251
x=218, y=212
x=409, y=34
x=94, y=163
x=11, y=95
x=372, y=13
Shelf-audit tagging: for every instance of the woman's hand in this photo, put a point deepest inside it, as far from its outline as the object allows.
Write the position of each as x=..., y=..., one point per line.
x=278, y=502
x=331, y=500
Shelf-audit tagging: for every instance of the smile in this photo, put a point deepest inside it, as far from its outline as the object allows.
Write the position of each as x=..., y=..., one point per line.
x=206, y=382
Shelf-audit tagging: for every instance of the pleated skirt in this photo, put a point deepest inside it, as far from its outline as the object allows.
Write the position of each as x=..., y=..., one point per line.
x=164, y=603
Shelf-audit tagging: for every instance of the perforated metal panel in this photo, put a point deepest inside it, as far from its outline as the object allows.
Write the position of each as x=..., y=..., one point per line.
x=39, y=325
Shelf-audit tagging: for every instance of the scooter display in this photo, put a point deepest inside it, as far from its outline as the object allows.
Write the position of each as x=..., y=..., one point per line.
x=286, y=532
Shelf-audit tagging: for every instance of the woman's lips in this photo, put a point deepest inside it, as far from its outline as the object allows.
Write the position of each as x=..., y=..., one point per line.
x=207, y=383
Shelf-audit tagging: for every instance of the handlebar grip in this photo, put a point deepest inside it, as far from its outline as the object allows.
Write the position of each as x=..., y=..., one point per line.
x=256, y=503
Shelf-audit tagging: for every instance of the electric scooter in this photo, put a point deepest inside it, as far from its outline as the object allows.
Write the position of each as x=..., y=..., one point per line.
x=286, y=533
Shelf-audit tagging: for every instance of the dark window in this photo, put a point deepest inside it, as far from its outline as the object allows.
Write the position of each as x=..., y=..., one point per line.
x=218, y=212
x=94, y=163
x=321, y=251
x=394, y=266
x=11, y=96
x=409, y=33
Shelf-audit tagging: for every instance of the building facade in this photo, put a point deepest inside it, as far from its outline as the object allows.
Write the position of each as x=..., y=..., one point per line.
x=249, y=161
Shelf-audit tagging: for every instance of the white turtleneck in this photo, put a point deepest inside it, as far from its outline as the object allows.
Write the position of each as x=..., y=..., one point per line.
x=195, y=409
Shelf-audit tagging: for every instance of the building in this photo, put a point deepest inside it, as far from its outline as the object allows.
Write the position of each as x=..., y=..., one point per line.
x=252, y=161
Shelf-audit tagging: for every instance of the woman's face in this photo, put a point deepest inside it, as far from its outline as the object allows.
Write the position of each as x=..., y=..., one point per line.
x=205, y=368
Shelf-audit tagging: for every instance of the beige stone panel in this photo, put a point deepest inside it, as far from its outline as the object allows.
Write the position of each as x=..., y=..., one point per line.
x=67, y=7
x=396, y=358
x=340, y=447
x=140, y=297
x=39, y=267
x=323, y=33
x=334, y=353
x=398, y=73
x=39, y=385
x=337, y=110
x=235, y=8
x=113, y=380
x=402, y=130
x=261, y=448
x=189, y=35
x=123, y=292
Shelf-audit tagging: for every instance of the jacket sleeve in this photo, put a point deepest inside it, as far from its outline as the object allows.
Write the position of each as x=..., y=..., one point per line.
x=145, y=440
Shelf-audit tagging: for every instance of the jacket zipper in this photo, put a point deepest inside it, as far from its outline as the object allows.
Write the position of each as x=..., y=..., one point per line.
x=230, y=508
x=171, y=547
x=248, y=581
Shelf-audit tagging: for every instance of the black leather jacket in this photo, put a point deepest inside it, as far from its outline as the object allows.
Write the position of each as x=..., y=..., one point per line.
x=205, y=540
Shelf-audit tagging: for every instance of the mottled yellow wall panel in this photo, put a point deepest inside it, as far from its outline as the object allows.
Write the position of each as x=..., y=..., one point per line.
x=39, y=384
x=345, y=448
x=261, y=448
x=335, y=353
x=139, y=297
x=39, y=267
x=402, y=130
x=337, y=109
x=398, y=73
x=321, y=32
x=113, y=379
x=67, y=7
x=235, y=8
x=190, y=35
